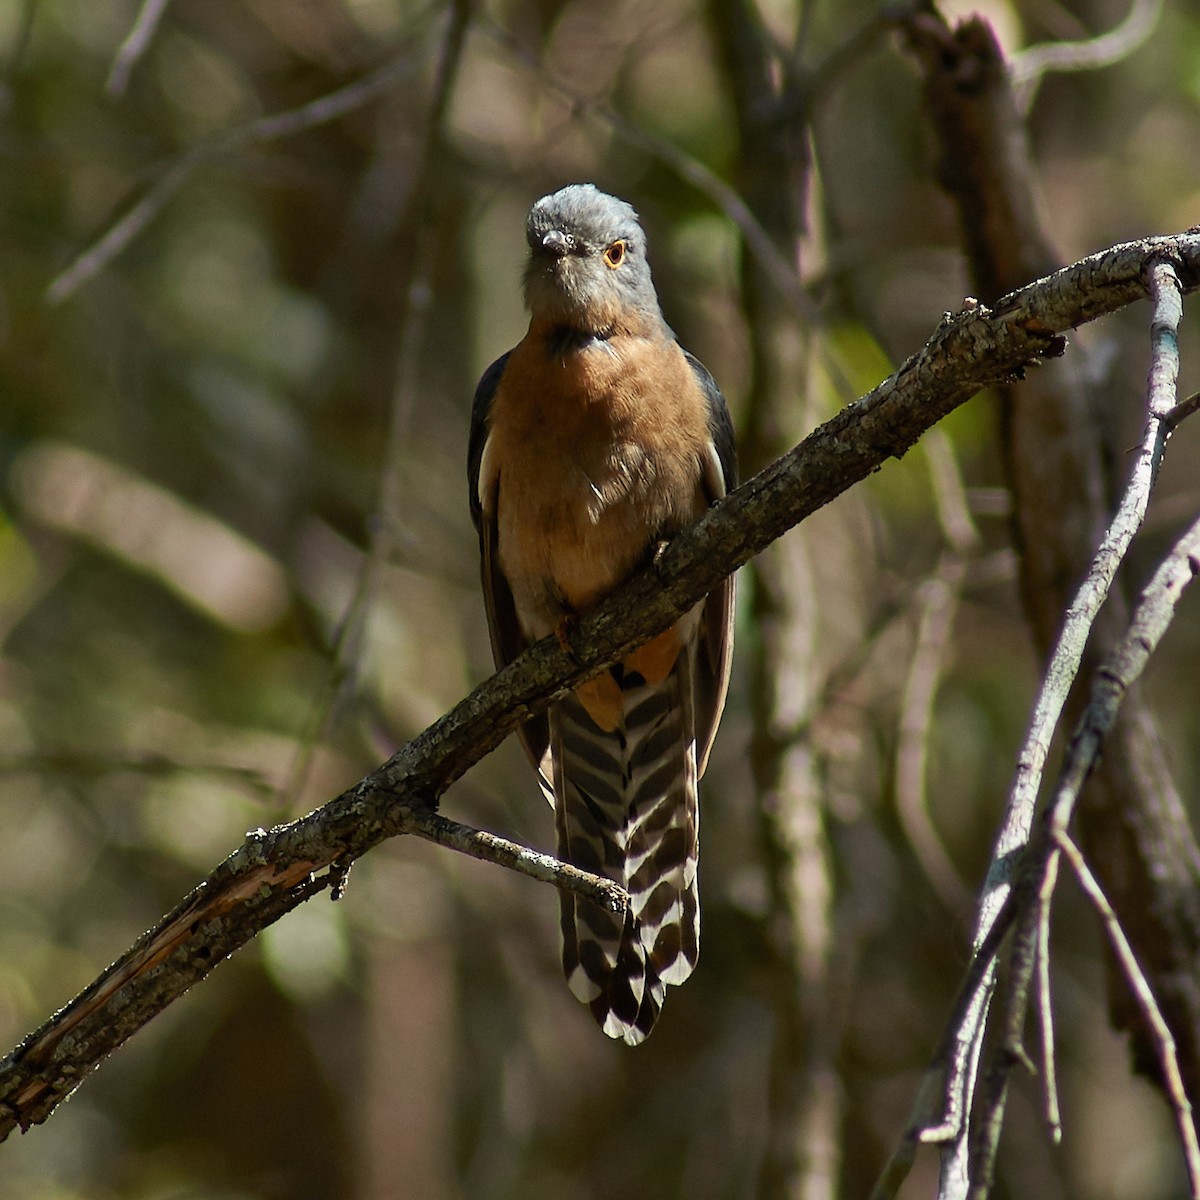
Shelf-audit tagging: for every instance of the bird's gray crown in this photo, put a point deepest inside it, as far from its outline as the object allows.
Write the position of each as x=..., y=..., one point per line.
x=584, y=213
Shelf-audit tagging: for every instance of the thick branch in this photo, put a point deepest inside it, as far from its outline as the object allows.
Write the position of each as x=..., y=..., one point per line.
x=274, y=871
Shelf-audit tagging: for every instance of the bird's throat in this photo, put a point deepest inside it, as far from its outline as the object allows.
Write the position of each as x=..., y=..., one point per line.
x=562, y=340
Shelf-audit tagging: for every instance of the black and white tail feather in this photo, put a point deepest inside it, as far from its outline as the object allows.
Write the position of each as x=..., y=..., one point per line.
x=626, y=808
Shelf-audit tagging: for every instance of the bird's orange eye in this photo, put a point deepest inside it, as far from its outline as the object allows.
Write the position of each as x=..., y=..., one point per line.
x=614, y=256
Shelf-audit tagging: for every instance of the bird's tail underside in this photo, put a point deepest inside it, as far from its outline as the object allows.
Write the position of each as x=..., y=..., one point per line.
x=625, y=804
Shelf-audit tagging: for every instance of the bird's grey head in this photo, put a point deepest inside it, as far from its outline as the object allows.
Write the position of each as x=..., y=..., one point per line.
x=587, y=265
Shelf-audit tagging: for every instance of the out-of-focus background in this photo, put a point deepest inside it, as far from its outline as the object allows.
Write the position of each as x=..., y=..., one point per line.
x=254, y=255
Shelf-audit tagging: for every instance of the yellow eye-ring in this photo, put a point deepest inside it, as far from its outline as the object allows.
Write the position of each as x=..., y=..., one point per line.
x=614, y=256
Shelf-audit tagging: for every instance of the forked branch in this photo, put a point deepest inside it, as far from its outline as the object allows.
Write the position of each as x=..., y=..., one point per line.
x=962, y=1106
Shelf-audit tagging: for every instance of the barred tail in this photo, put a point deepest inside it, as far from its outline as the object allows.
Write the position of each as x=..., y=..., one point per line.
x=625, y=805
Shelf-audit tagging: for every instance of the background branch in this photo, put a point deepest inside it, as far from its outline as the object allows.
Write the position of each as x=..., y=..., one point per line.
x=175, y=174
x=135, y=45
x=1089, y=54
x=803, y=1128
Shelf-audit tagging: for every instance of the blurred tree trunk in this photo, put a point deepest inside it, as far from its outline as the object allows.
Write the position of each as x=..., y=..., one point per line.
x=1132, y=819
x=407, y=1143
x=803, y=1152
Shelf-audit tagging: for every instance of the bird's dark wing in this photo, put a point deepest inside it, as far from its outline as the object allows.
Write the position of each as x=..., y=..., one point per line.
x=481, y=408
x=711, y=680
x=507, y=639
x=719, y=422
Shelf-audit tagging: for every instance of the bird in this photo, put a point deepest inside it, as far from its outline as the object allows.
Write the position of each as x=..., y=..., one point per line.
x=593, y=442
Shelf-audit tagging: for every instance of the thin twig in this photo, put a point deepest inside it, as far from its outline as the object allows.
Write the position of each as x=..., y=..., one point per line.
x=265, y=129
x=1045, y=1007
x=1126, y=662
x=488, y=847
x=1068, y=651
x=1165, y=1043
x=135, y=45
x=1029, y=66
x=950, y=495
x=1181, y=411
x=939, y=603
x=1112, y=681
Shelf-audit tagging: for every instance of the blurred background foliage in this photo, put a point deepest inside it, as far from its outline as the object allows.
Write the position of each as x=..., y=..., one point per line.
x=237, y=569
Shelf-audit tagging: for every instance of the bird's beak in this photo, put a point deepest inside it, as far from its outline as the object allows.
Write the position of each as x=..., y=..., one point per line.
x=558, y=243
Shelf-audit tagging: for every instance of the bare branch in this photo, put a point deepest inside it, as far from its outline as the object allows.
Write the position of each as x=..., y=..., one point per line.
x=1163, y=374
x=265, y=129
x=1133, y=820
x=949, y=494
x=1109, y=687
x=135, y=45
x=487, y=847
x=938, y=607
x=1030, y=66
x=1145, y=997
x=959, y=1054
x=274, y=871
x=1060, y=675
x=939, y=603
x=1121, y=669
x=1045, y=1007
x=1123, y=666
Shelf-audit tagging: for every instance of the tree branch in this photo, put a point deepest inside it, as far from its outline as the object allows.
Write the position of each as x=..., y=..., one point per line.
x=1057, y=461
x=1030, y=66
x=177, y=172
x=274, y=871
x=1023, y=863
x=135, y=45
x=1145, y=997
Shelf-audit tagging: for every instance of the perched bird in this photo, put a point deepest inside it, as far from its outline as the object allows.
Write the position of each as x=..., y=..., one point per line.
x=593, y=441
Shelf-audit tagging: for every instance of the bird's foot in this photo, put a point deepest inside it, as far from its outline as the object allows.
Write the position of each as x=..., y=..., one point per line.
x=563, y=633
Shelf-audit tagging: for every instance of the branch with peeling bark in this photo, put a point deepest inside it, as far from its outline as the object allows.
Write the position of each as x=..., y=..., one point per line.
x=276, y=870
